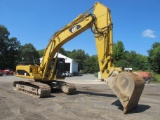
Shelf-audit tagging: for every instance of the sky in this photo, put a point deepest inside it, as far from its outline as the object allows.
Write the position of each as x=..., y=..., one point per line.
x=135, y=22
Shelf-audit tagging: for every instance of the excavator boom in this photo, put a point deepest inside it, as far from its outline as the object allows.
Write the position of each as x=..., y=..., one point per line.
x=127, y=86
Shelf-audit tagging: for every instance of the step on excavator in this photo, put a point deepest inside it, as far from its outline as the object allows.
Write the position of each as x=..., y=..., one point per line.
x=48, y=75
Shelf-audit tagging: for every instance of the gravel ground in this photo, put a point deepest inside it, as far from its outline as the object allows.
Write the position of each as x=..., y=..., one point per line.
x=94, y=101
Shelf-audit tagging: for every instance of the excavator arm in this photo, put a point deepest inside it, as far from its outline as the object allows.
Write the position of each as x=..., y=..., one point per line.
x=79, y=25
x=101, y=25
x=127, y=86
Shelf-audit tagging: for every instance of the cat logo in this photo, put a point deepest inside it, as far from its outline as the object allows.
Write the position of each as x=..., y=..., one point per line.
x=74, y=28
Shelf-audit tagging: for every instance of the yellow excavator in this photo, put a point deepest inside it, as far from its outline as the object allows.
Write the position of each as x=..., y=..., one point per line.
x=49, y=74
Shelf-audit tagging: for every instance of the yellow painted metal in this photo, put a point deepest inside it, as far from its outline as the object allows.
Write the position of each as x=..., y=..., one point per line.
x=60, y=38
x=101, y=24
x=103, y=40
x=126, y=86
x=29, y=71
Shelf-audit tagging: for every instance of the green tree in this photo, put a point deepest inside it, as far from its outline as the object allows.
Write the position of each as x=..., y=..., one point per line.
x=41, y=52
x=119, y=55
x=154, y=57
x=64, y=52
x=122, y=63
x=143, y=62
x=91, y=64
x=79, y=56
x=118, y=51
x=9, y=49
x=29, y=53
x=13, y=53
x=136, y=61
x=4, y=34
x=131, y=59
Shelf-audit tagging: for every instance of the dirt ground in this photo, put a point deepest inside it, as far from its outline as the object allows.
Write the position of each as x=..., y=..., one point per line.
x=94, y=100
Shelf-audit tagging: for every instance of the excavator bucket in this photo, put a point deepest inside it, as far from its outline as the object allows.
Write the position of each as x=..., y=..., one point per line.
x=128, y=87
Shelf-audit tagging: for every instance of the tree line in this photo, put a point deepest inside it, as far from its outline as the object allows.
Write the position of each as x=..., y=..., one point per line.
x=137, y=61
x=12, y=52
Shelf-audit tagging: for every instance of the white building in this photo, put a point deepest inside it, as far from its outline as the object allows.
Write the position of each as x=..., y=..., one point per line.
x=70, y=64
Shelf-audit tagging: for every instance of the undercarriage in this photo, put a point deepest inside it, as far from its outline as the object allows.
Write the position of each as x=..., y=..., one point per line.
x=43, y=89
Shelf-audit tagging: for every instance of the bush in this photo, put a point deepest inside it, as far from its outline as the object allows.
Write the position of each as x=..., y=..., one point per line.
x=81, y=72
x=155, y=77
x=96, y=74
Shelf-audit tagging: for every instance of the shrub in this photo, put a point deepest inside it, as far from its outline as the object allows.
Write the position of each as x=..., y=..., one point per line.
x=155, y=77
